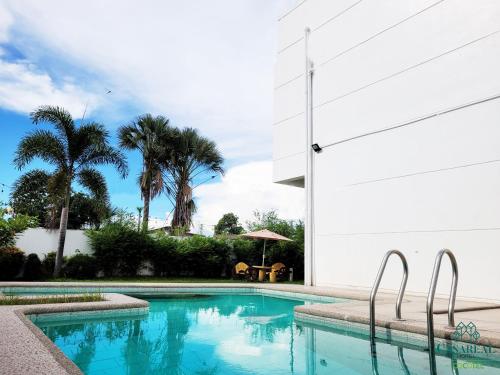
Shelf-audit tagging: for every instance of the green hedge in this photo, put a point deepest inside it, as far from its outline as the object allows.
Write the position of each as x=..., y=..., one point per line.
x=120, y=250
x=203, y=257
x=80, y=266
x=32, y=268
x=164, y=258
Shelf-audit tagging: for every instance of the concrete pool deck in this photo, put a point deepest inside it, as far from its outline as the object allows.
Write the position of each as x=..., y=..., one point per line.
x=24, y=349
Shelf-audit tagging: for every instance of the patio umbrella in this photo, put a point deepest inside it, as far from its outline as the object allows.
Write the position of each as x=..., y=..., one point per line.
x=265, y=235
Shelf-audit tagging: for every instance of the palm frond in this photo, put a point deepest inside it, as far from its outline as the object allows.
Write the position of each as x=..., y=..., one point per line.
x=94, y=182
x=130, y=137
x=102, y=153
x=58, y=116
x=85, y=139
x=42, y=144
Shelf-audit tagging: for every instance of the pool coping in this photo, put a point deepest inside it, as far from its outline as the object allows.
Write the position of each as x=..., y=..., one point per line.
x=27, y=349
x=413, y=324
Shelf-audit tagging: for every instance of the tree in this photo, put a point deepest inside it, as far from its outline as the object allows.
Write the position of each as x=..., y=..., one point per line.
x=152, y=136
x=194, y=156
x=74, y=152
x=270, y=220
x=30, y=195
x=228, y=224
x=11, y=226
x=85, y=210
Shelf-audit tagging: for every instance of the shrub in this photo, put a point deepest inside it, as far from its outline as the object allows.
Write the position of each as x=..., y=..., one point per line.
x=49, y=262
x=80, y=266
x=11, y=261
x=289, y=253
x=32, y=268
x=203, y=256
x=164, y=256
x=119, y=249
x=246, y=251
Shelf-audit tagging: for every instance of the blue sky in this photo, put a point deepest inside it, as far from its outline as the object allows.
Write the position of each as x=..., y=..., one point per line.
x=202, y=64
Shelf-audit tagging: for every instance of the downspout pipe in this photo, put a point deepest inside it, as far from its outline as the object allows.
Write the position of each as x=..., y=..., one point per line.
x=309, y=278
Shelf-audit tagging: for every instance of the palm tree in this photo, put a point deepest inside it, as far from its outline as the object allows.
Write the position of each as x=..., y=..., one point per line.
x=74, y=151
x=193, y=156
x=152, y=136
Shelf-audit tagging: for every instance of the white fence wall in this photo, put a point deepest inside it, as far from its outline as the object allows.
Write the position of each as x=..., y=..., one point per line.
x=41, y=241
x=406, y=98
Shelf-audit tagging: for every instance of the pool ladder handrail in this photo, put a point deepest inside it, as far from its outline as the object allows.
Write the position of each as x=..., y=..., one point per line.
x=432, y=293
x=374, y=291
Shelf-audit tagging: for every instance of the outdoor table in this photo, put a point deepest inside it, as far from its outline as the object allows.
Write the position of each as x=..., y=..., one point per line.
x=262, y=271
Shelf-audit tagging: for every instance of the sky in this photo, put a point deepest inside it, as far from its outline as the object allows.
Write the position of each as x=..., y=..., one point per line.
x=203, y=64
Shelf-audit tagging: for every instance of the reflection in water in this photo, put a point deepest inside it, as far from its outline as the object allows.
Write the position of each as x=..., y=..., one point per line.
x=238, y=335
x=402, y=361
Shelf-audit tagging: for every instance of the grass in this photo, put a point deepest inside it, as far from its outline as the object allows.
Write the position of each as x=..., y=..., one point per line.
x=150, y=279
x=40, y=300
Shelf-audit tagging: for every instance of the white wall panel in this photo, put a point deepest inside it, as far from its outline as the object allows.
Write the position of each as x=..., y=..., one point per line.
x=289, y=101
x=426, y=36
x=458, y=199
x=290, y=64
x=354, y=260
x=361, y=23
x=453, y=80
x=312, y=13
x=448, y=141
x=291, y=26
x=289, y=137
x=288, y=168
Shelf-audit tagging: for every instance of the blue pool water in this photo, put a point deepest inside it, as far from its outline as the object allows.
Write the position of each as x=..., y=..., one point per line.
x=241, y=335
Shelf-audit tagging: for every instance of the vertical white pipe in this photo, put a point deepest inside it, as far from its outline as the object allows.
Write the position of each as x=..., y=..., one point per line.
x=309, y=234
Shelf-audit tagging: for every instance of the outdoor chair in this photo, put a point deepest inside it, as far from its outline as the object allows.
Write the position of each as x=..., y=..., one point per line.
x=242, y=271
x=280, y=271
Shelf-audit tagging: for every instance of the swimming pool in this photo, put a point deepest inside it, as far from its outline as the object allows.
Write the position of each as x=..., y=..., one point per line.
x=237, y=334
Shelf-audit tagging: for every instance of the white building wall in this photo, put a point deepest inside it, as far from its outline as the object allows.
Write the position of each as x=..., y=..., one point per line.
x=406, y=110
x=41, y=241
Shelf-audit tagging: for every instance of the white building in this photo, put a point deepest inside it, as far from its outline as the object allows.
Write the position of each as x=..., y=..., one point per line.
x=405, y=98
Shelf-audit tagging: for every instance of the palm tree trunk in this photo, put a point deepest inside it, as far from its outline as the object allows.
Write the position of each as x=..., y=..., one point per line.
x=177, y=221
x=182, y=211
x=62, y=233
x=145, y=216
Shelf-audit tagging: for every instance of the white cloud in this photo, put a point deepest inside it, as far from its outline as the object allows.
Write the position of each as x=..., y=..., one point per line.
x=206, y=64
x=23, y=88
x=244, y=189
x=6, y=21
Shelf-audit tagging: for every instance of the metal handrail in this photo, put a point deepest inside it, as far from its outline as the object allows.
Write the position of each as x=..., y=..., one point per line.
x=430, y=299
x=374, y=291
